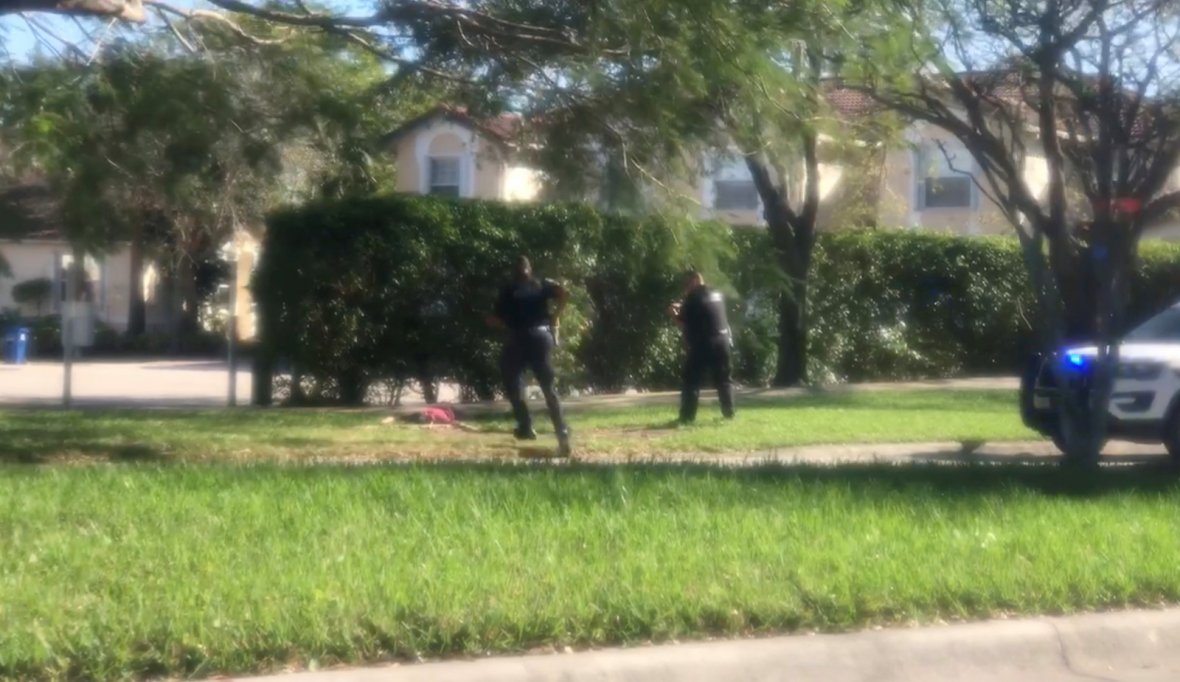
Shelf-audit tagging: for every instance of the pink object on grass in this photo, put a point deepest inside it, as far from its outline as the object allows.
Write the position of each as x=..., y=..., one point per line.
x=436, y=414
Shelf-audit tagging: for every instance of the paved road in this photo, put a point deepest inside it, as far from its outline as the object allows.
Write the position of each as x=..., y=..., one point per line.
x=131, y=384
x=1130, y=646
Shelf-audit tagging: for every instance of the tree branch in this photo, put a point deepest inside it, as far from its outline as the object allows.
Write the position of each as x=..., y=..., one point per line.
x=125, y=10
x=1159, y=209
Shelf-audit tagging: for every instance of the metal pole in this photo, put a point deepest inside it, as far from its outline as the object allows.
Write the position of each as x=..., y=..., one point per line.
x=67, y=329
x=233, y=335
x=67, y=349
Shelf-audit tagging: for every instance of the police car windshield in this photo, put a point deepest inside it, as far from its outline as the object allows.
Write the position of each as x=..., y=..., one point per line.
x=1163, y=327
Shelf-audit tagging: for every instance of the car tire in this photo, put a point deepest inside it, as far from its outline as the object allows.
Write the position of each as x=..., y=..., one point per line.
x=1028, y=380
x=1059, y=443
x=1172, y=435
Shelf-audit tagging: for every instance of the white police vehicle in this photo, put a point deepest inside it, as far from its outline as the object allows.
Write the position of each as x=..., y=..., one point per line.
x=1145, y=402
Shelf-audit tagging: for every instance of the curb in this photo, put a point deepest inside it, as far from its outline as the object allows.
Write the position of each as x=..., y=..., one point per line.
x=1135, y=646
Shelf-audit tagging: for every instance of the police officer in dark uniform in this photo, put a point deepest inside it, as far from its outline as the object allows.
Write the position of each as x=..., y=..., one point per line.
x=522, y=309
x=706, y=331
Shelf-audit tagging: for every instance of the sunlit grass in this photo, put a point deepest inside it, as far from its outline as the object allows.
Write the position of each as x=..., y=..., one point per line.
x=251, y=435
x=140, y=570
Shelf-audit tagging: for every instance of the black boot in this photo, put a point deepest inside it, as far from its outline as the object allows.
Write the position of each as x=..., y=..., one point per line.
x=563, y=443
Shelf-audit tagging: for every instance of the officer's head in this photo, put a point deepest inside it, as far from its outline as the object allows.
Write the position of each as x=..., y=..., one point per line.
x=523, y=269
x=693, y=279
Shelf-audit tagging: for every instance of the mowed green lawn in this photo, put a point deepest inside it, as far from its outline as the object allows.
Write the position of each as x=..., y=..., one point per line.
x=643, y=430
x=197, y=543
x=143, y=570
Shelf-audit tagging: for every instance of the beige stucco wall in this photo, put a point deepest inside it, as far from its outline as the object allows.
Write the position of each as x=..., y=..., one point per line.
x=408, y=175
x=487, y=171
x=247, y=250
x=27, y=260
x=489, y=176
x=499, y=178
x=899, y=192
x=117, y=289
x=831, y=181
x=35, y=259
x=446, y=144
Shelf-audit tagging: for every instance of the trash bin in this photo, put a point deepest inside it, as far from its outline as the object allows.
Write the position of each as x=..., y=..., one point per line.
x=16, y=345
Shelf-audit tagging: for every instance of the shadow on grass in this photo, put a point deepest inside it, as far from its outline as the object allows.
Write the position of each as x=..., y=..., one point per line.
x=38, y=446
x=40, y=436
x=1146, y=475
x=844, y=400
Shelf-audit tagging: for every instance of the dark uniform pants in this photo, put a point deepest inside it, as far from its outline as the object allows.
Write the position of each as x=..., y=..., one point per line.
x=712, y=356
x=531, y=349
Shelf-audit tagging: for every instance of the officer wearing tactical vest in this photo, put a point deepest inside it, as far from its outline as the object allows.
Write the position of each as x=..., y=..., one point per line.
x=522, y=309
x=706, y=331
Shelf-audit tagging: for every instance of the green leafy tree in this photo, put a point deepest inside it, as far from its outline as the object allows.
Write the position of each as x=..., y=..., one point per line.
x=1087, y=95
x=175, y=151
x=704, y=79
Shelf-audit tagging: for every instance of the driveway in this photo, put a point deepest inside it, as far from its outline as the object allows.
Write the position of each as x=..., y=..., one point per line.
x=183, y=383
x=138, y=384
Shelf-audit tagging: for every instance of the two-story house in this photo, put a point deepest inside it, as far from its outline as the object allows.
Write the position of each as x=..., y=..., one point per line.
x=923, y=182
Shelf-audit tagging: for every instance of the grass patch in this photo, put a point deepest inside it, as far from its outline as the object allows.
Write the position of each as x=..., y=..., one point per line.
x=149, y=569
x=836, y=418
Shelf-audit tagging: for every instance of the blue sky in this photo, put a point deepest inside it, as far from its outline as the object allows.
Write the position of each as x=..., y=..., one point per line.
x=19, y=40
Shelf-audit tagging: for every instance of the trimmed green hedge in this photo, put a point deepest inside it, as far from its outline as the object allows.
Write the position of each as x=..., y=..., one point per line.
x=397, y=287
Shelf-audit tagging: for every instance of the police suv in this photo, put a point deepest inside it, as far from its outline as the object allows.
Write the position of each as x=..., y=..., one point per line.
x=1145, y=402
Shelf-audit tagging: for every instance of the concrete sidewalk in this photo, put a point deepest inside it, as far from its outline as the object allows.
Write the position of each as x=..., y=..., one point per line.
x=1131, y=646
x=204, y=384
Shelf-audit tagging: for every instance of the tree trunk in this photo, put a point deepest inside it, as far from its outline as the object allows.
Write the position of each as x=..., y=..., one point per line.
x=1077, y=286
x=1093, y=292
x=263, y=378
x=792, y=329
x=182, y=301
x=353, y=387
x=187, y=285
x=426, y=379
x=429, y=388
x=137, y=311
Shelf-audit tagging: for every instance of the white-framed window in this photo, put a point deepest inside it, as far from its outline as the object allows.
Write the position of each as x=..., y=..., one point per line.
x=943, y=177
x=91, y=281
x=730, y=186
x=735, y=195
x=444, y=176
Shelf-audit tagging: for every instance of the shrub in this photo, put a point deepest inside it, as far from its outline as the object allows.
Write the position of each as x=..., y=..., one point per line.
x=396, y=288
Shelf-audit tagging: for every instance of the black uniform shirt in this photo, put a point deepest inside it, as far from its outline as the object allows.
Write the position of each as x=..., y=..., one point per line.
x=524, y=305
x=703, y=314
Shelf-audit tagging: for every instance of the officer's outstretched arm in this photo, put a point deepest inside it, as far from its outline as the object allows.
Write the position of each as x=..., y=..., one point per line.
x=495, y=320
x=560, y=298
x=675, y=312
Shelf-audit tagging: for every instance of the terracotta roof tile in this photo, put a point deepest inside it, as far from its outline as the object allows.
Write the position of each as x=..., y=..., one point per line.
x=849, y=103
x=504, y=128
